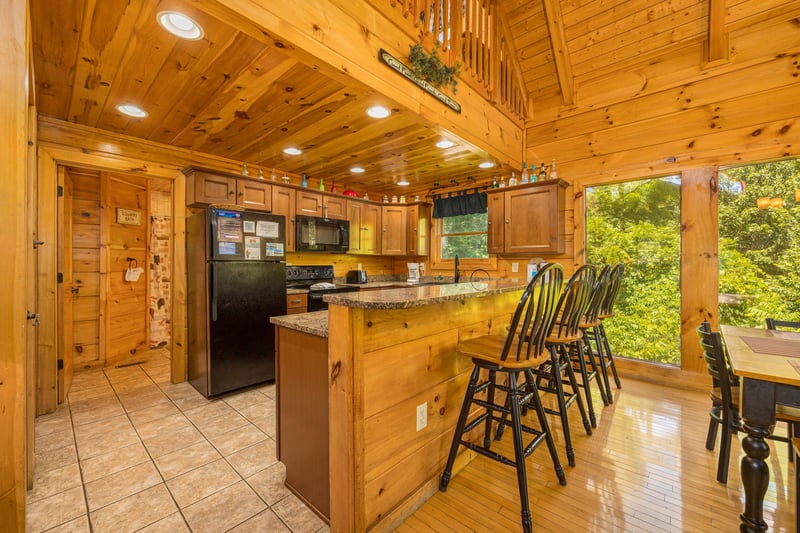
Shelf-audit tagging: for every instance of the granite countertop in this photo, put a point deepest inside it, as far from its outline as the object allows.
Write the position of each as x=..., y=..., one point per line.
x=315, y=323
x=296, y=291
x=416, y=296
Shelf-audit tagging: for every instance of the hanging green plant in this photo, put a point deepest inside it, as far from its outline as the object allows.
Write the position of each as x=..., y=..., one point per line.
x=431, y=68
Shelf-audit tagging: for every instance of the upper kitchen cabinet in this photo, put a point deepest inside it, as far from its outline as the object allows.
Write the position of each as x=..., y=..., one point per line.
x=394, y=226
x=531, y=217
x=418, y=229
x=317, y=204
x=284, y=203
x=365, y=227
x=206, y=188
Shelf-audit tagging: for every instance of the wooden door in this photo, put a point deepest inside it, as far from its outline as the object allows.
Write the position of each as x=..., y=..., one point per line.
x=127, y=236
x=203, y=188
x=393, y=239
x=412, y=229
x=309, y=203
x=255, y=195
x=533, y=216
x=283, y=203
x=65, y=288
x=497, y=223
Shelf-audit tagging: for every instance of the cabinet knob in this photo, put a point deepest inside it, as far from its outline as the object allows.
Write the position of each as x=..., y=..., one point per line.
x=507, y=221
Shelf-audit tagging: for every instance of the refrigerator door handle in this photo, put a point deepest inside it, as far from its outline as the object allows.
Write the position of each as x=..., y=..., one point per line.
x=213, y=292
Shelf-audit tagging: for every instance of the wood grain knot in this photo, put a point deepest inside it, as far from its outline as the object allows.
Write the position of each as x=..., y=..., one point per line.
x=369, y=323
x=337, y=367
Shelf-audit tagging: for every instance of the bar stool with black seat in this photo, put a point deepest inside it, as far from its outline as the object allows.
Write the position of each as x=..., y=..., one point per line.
x=724, y=410
x=606, y=312
x=494, y=356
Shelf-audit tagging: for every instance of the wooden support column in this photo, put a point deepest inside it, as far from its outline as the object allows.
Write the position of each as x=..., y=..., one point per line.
x=717, y=45
x=558, y=42
x=14, y=49
x=699, y=261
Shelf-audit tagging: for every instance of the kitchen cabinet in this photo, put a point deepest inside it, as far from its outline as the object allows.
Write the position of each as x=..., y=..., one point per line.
x=531, y=217
x=394, y=219
x=205, y=188
x=317, y=204
x=283, y=203
x=418, y=229
x=296, y=303
x=365, y=227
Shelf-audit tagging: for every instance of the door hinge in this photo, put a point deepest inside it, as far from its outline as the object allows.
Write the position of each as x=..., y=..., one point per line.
x=60, y=364
x=36, y=243
x=60, y=191
x=60, y=277
x=34, y=317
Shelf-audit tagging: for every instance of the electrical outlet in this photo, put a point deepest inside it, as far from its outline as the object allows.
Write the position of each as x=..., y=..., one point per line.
x=422, y=416
x=514, y=267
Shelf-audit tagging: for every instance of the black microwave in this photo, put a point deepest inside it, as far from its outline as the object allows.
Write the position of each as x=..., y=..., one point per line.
x=316, y=234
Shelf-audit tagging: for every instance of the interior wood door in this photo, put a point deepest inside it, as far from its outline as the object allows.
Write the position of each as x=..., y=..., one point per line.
x=127, y=232
x=66, y=287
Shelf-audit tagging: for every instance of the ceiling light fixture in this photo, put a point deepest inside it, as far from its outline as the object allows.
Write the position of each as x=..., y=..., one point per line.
x=486, y=164
x=444, y=143
x=132, y=110
x=292, y=151
x=378, y=111
x=403, y=182
x=180, y=25
x=357, y=170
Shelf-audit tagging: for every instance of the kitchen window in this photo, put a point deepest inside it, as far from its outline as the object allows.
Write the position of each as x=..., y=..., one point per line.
x=461, y=228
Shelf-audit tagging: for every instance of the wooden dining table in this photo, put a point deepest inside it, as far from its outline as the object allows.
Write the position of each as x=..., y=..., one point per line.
x=768, y=365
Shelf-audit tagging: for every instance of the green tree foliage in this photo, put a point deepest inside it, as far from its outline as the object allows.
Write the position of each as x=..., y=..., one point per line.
x=465, y=236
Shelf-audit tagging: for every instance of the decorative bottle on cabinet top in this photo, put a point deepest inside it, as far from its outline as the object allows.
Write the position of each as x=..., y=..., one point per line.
x=553, y=173
x=513, y=180
x=524, y=176
x=304, y=182
x=321, y=185
x=542, y=172
x=533, y=173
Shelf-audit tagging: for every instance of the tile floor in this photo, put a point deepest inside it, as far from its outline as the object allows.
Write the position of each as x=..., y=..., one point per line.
x=130, y=451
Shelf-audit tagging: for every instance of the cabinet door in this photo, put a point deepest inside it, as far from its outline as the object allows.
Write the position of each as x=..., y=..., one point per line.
x=252, y=194
x=419, y=220
x=497, y=223
x=334, y=207
x=309, y=203
x=355, y=215
x=412, y=229
x=205, y=188
x=393, y=239
x=371, y=234
x=533, y=215
x=283, y=203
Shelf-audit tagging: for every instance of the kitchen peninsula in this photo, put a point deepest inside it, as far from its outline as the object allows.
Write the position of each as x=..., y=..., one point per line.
x=394, y=387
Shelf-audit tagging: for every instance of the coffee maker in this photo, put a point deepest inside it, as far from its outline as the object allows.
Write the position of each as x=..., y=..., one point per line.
x=414, y=272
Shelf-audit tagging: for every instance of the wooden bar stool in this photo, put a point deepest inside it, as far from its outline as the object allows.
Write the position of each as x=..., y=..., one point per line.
x=592, y=356
x=518, y=352
x=607, y=311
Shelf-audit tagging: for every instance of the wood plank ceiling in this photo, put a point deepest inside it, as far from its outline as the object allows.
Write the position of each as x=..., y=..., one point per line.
x=231, y=95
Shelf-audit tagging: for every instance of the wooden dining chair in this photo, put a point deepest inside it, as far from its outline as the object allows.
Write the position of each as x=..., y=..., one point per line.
x=724, y=412
x=498, y=360
x=782, y=324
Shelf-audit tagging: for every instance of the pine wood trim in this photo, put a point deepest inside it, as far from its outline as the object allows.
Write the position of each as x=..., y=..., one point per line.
x=558, y=43
x=513, y=59
x=717, y=43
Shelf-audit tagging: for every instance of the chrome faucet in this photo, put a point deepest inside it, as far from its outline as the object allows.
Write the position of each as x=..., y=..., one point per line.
x=456, y=274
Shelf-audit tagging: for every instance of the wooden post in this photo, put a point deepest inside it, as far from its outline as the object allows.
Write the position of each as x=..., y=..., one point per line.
x=699, y=261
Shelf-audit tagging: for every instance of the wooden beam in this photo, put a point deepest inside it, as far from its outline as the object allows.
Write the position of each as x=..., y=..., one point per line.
x=513, y=58
x=717, y=46
x=558, y=42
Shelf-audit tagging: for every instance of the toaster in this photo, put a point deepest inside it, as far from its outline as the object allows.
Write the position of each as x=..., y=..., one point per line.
x=357, y=276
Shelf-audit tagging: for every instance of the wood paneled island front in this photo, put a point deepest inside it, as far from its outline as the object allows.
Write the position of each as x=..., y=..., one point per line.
x=389, y=352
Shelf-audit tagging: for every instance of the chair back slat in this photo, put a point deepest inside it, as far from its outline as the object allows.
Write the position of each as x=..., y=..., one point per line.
x=777, y=324
x=574, y=301
x=717, y=361
x=535, y=314
x=601, y=285
x=615, y=283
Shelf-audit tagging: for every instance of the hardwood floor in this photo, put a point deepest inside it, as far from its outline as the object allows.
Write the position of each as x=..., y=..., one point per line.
x=644, y=468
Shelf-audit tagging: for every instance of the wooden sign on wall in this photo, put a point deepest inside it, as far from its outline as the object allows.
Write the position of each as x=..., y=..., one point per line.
x=399, y=67
x=129, y=217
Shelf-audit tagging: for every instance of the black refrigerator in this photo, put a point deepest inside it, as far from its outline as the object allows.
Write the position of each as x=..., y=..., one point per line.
x=236, y=264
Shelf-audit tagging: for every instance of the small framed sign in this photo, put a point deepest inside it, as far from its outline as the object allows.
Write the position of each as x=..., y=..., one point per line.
x=129, y=217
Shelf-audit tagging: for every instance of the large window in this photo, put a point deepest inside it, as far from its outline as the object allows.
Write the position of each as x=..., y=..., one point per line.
x=759, y=248
x=465, y=236
x=638, y=223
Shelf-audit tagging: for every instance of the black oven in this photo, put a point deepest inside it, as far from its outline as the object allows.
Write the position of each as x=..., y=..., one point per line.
x=316, y=234
x=315, y=302
x=317, y=280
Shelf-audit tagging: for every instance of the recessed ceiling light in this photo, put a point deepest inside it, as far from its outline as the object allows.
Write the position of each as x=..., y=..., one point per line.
x=444, y=143
x=292, y=151
x=132, y=110
x=486, y=164
x=378, y=111
x=357, y=170
x=180, y=25
x=403, y=182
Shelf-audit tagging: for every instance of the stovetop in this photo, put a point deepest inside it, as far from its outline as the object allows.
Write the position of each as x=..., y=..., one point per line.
x=306, y=276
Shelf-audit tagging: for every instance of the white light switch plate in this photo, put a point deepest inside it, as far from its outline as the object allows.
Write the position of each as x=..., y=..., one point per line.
x=422, y=416
x=514, y=267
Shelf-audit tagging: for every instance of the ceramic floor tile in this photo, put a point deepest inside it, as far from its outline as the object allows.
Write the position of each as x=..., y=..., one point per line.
x=268, y=390
x=238, y=439
x=113, y=461
x=269, y=483
x=224, y=509
x=55, y=458
x=119, y=485
x=49, y=482
x=114, y=424
x=89, y=416
x=253, y=459
x=174, y=523
x=147, y=400
x=177, y=391
x=78, y=525
x=181, y=461
x=201, y=482
x=208, y=411
x=190, y=402
x=299, y=517
x=140, y=416
x=244, y=399
x=153, y=428
x=258, y=410
x=174, y=440
x=53, y=441
x=53, y=422
x=55, y=510
x=267, y=425
x=263, y=521
x=106, y=443
x=214, y=427
x=134, y=512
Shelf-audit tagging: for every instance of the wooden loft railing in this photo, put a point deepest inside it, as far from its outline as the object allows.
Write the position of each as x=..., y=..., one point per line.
x=473, y=33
